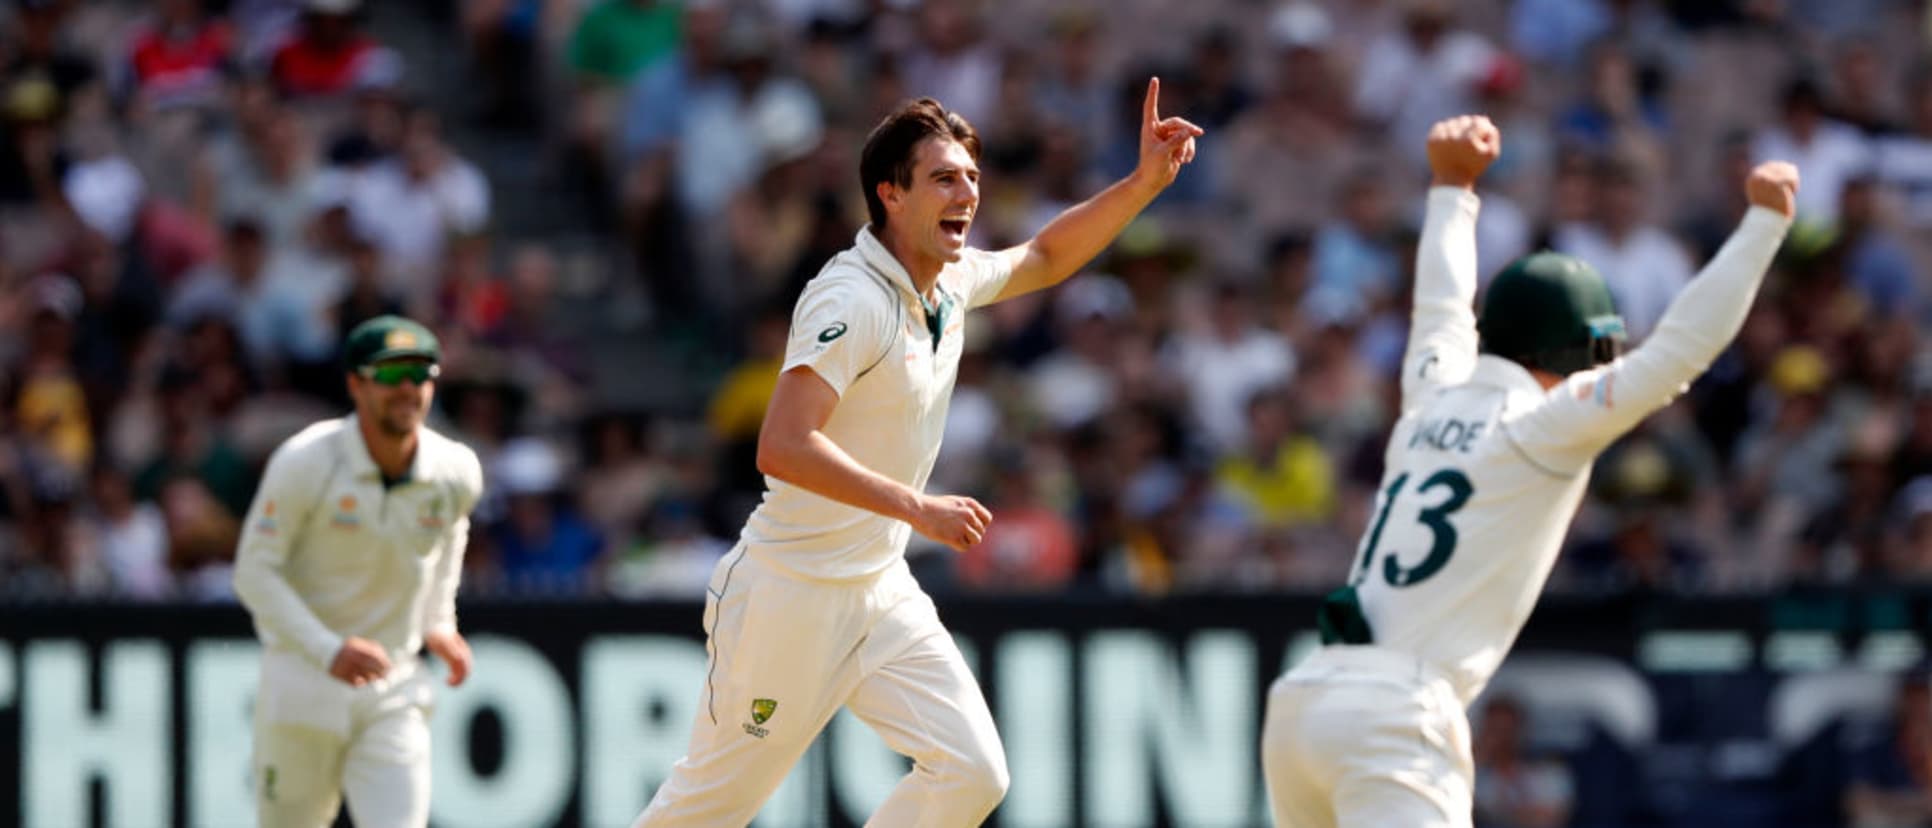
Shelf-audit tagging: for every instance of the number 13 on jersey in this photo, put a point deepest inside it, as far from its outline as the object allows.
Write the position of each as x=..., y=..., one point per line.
x=1442, y=533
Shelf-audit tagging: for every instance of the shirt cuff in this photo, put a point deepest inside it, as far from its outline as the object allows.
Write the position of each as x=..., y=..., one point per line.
x=324, y=648
x=1758, y=220
x=1458, y=198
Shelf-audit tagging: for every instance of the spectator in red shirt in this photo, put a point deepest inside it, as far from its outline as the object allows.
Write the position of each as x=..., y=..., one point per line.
x=181, y=57
x=330, y=55
x=1031, y=547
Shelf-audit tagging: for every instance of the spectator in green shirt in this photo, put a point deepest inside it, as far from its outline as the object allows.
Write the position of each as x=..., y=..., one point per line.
x=616, y=38
x=612, y=43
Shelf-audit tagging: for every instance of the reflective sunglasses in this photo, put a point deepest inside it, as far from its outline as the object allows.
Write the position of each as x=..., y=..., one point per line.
x=395, y=373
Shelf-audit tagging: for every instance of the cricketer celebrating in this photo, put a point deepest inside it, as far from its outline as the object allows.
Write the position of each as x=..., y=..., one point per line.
x=1501, y=419
x=349, y=563
x=815, y=608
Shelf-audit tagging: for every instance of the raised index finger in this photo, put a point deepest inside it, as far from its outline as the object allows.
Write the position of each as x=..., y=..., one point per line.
x=1150, y=110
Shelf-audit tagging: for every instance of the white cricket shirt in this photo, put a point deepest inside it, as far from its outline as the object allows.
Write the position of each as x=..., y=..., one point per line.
x=329, y=552
x=861, y=327
x=1485, y=469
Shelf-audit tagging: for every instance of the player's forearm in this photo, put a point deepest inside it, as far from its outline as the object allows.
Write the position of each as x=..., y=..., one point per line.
x=1707, y=315
x=816, y=464
x=439, y=611
x=1442, y=325
x=1082, y=231
x=1446, y=255
x=275, y=605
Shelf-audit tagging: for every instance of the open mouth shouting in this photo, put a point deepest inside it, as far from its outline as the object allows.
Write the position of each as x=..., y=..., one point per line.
x=953, y=228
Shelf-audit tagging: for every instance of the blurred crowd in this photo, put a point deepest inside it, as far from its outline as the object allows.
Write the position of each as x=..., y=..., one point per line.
x=197, y=197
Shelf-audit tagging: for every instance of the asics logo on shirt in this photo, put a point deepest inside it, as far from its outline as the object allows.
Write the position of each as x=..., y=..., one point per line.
x=835, y=331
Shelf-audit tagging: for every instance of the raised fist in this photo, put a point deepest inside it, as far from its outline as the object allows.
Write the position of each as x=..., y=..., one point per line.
x=1774, y=185
x=1460, y=148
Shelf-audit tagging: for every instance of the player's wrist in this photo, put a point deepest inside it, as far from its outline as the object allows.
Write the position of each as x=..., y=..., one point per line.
x=1146, y=183
x=909, y=506
x=325, y=648
x=1783, y=209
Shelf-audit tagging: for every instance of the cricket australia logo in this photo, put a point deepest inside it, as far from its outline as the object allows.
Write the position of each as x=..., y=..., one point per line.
x=761, y=710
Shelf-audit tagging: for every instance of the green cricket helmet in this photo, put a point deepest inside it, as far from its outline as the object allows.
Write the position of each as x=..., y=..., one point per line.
x=1551, y=312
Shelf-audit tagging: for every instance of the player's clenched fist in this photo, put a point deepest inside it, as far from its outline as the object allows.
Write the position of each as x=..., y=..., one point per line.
x=1774, y=185
x=1460, y=148
x=958, y=522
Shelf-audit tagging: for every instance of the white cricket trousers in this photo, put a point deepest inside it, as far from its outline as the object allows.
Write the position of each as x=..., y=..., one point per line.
x=317, y=738
x=1363, y=737
x=786, y=654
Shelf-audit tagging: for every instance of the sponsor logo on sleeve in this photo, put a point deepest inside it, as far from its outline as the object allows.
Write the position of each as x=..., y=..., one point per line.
x=266, y=524
x=1600, y=391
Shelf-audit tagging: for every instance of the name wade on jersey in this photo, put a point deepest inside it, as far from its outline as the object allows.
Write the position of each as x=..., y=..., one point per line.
x=1448, y=434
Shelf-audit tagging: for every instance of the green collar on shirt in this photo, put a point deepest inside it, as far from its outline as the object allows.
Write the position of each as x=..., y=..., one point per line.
x=936, y=316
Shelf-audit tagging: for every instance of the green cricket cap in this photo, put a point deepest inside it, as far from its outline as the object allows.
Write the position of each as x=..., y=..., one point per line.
x=389, y=337
x=1551, y=311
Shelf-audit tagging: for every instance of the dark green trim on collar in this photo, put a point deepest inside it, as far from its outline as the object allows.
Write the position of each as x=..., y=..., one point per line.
x=936, y=316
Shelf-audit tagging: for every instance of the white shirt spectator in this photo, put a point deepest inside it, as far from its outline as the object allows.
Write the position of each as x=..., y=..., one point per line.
x=1069, y=390
x=135, y=552
x=1904, y=164
x=1645, y=270
x=284, y=208
x=954, y=64
x=107, y=192
x=1835, y=154
x=411, y=218
x=1073, y=385
x=723, y=134
x=270, y=176
x=283, y=313
x=1221, y=373
x=1409, y=90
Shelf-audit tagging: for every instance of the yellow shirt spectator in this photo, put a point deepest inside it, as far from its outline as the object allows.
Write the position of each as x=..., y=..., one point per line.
x=738, y=408
x=1293, y=487
x=52, y=410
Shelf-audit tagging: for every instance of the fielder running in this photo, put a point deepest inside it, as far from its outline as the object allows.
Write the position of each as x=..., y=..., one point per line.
x=815, y=608
x=1501, y=419
x=349, y=563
